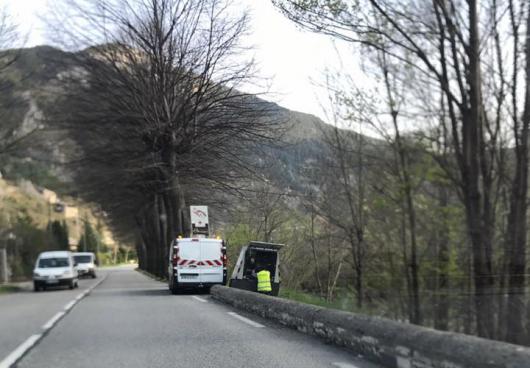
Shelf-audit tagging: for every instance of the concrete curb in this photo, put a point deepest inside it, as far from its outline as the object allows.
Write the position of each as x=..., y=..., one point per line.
x=389, y=343
x=150, y=275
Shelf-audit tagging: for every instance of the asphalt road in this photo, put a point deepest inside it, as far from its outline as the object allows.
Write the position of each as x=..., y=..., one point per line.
x=130, y=320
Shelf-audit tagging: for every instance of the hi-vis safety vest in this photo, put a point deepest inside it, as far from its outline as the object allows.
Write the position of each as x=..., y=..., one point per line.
x=264, y=281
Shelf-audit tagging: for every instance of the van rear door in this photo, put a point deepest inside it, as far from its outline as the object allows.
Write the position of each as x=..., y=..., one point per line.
x=189, y=256
x=211, y=261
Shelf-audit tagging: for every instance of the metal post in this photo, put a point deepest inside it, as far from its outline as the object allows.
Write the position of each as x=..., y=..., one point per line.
x=84, y=237
x=3, y=256
x=97, y=250
x=85, y=225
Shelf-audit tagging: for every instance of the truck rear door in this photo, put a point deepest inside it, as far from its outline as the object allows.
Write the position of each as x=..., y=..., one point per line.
x=211, y=262
x=189, y=257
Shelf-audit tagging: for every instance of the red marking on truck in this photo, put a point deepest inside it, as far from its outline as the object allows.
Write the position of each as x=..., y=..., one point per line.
x=209, y=262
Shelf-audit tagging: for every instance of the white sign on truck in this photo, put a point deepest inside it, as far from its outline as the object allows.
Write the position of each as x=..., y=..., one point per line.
x=199, y=220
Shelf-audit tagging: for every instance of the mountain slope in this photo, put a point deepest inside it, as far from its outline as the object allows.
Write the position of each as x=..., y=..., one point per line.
x=36, y=81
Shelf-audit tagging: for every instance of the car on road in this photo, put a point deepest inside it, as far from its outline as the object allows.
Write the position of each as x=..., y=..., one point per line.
x=86, y=264
x=55, y=268
x=196, y=263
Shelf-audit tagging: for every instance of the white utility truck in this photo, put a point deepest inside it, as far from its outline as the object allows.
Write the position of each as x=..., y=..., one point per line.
x=196, y=263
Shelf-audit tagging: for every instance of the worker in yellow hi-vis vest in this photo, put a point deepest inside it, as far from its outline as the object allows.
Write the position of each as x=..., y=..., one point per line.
x=264, y=281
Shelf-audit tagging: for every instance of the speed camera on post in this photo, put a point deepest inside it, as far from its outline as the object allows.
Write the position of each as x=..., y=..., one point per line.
x=199, y=221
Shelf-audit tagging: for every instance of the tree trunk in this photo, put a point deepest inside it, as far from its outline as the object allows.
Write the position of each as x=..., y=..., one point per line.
x=359, y=271
x=313, y=249
x=477, y=200
x=404, y=176
x=156, y=239
x=414, y=268
x=181, y=212
x=403, y=238
x=163, y=244
x=146, y=241
x=334, y=284
x=502, y=298
x=441, y=319
x=171, y=230
x=516, y=234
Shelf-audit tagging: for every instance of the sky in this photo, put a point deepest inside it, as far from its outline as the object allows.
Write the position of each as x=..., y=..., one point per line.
x=292, y=60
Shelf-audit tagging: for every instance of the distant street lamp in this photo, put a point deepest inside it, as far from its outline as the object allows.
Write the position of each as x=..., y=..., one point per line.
x=3, y=254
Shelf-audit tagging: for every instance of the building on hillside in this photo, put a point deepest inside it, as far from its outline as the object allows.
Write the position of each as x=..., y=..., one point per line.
x=49, y=196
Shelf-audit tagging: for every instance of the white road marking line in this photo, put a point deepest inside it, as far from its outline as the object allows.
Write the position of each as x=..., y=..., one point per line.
x=343, y=365
x=53, y=320
x=96, y=284
x=199, y=299
x=23, y=348
x=16, y=354
x=69, y=306
x=246, y=320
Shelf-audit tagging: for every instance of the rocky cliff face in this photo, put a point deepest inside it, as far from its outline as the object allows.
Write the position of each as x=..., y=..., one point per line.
x=30, y=87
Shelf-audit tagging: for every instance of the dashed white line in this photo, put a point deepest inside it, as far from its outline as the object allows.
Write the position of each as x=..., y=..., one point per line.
x=343, y=365
x=19, y=351
x=53, y=320
x=199, y=299
x=69, y=306
x=246, y=320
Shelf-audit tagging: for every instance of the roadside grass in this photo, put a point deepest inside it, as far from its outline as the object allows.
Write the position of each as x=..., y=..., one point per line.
x=344, y=302
x=5, y=289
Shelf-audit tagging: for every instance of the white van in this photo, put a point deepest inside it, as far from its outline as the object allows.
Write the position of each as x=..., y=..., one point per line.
x=86, y=264
x=54, y=269
x=196, y=262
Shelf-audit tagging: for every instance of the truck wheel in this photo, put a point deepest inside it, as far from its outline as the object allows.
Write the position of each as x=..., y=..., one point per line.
x=71, y=285
x=175, y=288
x=36, y=287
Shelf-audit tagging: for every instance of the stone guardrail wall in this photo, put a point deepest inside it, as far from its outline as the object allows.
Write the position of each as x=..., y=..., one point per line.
x=389, y=343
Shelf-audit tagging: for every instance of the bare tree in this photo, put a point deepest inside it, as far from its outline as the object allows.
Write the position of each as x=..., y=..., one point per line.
x=161, y=106
x=11, y=136
x=444, y=45
x=8, y=37
x=342, y=201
